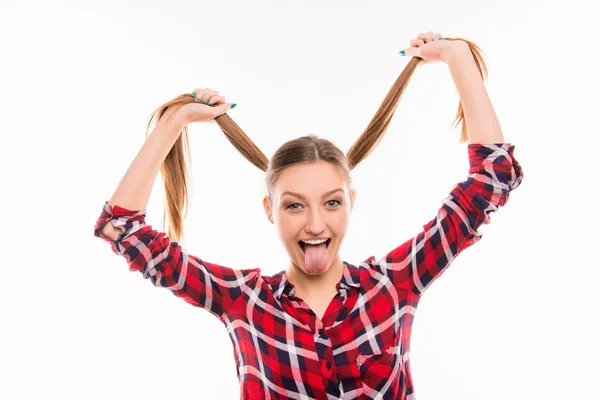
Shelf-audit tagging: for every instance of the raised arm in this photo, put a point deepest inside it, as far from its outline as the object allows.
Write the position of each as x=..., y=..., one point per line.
x=122, y=224
x=482, y=123
x=135, y=187
x=493, y=174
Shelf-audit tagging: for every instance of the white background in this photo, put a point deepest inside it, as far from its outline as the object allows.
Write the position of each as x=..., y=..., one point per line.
x=515, y=316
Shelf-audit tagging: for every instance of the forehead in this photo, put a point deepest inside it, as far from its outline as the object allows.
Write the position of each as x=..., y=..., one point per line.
x=310, y=179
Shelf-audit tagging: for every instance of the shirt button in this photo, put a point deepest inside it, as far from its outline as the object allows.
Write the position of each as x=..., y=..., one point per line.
x=328, y=365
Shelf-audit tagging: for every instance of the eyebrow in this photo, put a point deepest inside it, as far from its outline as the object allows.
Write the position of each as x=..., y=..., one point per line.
x=302, y=197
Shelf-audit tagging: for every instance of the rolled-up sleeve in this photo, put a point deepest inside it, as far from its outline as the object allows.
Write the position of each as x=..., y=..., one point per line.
x=493, y=174
x=166, y=264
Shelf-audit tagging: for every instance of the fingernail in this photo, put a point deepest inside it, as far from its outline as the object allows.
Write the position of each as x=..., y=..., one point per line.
x=194, y=94
x=202, y=100
x=208, y=102
x=233, y=105
x=441, y=38
x=402, y=53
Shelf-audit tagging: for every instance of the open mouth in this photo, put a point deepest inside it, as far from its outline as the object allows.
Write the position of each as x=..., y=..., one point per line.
x=302, y=245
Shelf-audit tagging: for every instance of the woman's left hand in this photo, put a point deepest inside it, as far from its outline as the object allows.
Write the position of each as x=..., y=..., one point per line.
x=428, y=46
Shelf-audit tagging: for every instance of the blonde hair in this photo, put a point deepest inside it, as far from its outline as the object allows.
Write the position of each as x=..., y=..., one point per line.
x=305, y=149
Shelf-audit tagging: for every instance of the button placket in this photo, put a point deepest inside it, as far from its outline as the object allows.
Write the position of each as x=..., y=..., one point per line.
x=343, y=294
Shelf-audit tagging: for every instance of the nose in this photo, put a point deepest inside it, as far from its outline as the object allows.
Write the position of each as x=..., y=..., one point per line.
x=315, y=223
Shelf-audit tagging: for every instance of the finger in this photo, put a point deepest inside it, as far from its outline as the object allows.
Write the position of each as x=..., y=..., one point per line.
x=420, y=42
x=208, y=95
x=222, y=108
x=413, y=42
x=424, y=37
x=215, y=100
x=437, y=36
x=201, y=95
x=412, y=52
x=197, y=92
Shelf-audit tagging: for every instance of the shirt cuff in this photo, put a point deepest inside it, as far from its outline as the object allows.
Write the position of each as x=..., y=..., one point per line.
x=127, y=221
x=499, y=158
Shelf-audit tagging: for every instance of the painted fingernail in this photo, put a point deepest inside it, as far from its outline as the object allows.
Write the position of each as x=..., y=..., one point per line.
x=202, y=100
x=441, y=38
x=194, y=94
x=208, y=102
x=402, y=53
x=233, y=105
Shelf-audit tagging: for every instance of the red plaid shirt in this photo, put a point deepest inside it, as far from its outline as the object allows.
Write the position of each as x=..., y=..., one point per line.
x=361, y=348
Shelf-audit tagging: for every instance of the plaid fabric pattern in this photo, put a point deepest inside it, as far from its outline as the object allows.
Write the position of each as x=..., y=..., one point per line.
x=361, y=347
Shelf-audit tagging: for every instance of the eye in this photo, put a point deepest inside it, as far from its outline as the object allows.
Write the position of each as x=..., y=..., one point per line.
x=337, y=201
x=293, y=204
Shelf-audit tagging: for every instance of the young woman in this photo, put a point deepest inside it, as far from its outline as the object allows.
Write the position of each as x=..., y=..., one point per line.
x=323, y=328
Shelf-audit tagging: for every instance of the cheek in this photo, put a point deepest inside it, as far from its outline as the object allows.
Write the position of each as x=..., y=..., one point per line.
x=288, y=226
x=341, y=222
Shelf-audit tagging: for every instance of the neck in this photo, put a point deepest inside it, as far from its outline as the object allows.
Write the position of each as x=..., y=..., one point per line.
x=321, y=284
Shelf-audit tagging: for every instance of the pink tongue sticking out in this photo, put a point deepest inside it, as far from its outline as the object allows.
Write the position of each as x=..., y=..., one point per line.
x=315, y=257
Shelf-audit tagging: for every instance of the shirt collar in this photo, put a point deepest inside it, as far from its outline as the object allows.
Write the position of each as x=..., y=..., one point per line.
x=350, y=277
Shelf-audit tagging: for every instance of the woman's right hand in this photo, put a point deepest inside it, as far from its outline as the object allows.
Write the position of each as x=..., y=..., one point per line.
x=202, y=112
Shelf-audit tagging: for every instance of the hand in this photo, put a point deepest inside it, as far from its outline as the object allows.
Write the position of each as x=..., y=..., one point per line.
x=209, y=105
x=428, y=46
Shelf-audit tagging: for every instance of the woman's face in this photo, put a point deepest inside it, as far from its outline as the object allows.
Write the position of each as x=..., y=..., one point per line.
x=306, y=205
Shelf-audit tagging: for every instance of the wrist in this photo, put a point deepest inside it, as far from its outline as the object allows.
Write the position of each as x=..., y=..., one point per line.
x=173, y=122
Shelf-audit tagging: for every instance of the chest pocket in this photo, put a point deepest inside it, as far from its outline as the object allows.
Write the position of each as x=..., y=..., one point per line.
x=379, y=371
